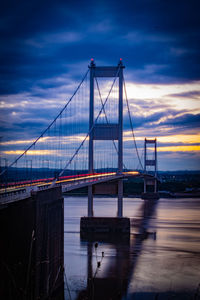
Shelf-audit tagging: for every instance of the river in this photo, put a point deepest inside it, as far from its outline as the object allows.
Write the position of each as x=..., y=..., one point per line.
x=161, y=260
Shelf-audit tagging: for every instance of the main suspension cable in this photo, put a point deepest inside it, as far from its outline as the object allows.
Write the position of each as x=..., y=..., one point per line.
x=115, y=146
x=42, y=134
x=131, y=123
x=77, y=150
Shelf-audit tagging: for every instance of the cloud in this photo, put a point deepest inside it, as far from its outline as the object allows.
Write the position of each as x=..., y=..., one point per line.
x=177, y=149
x=186, y=120
x=46, y=48
x=190, y=95
x=31, y=152
x=43, y=47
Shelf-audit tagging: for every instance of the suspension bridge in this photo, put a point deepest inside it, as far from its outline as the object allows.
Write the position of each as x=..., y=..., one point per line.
x=72, y=152
x=69, y=154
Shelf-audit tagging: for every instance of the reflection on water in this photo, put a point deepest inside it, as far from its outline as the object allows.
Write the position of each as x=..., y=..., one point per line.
x=160, y=260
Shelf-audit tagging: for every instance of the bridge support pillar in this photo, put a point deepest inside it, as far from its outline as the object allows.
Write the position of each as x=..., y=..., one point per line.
x=150, y=179
x=120, y=199
x=90, y=201
x=155, y=186
x=105, y=132
x=103, y=227
x=145, y=186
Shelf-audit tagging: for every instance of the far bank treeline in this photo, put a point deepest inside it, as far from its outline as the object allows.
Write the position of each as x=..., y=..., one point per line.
x=170, y=182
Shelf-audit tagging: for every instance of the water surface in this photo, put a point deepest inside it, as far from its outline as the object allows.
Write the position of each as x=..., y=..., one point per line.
x=161, y=260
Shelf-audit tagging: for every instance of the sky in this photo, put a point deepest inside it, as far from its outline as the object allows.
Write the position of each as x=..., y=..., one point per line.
x=45, y=49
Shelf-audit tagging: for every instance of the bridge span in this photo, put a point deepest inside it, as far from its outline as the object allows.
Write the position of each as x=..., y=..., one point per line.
x=31, y=205
x=24, y=189
x=101, y=147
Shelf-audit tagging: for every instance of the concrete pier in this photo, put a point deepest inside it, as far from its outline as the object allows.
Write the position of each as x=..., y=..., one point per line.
x=150, y=196
x=105, y=225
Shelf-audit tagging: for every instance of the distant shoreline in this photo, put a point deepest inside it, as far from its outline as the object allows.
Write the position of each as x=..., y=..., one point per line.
x=165, y=195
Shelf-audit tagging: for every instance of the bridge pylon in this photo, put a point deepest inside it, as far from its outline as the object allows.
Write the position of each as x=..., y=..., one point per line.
x=150, y=179
x=109, y=131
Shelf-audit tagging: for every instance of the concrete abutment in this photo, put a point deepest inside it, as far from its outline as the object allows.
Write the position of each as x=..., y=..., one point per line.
x=32, y=247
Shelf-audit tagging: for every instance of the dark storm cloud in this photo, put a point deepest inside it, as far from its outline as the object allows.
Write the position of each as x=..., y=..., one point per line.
x=174, y=121
x=185, y=121
x=28, y=121
x=28, y=118
x=46, y=46
x=157, y=39
x=191, y=95
x=143, y=121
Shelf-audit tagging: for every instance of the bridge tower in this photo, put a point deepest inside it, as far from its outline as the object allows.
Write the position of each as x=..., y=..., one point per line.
x=106, y=131
x=150, y=179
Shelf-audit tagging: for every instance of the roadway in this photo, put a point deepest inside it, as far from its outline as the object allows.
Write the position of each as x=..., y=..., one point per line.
x=24, y=189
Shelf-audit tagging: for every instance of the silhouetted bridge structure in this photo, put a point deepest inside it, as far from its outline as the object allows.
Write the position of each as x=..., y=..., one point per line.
x=63, y=143
x=25, y=189
x=63, y=147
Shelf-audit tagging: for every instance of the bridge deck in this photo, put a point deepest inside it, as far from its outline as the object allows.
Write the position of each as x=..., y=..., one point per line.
x=19, y=192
